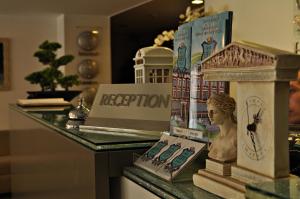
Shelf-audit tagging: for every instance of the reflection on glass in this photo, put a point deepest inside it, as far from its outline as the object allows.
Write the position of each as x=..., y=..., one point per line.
x=1, y=63
x=294, y=101
x=4, y=75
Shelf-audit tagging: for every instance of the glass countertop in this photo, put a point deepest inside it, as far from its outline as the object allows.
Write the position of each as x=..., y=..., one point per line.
x=280, y=188
x=57, y=119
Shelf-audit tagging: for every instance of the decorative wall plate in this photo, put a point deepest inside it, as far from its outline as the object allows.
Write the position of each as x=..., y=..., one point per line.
x=88, y=94
x=88, y=40
x=87, y=68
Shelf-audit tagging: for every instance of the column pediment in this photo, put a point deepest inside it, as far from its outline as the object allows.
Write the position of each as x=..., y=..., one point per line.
x=244, y=61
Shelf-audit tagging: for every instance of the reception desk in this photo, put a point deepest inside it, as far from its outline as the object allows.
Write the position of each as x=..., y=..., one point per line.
x=50, y=161
x=135, y=178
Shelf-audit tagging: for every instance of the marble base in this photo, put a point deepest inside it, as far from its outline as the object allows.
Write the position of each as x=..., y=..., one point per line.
x=247, y=176
x=223, y=169
x=225, y=187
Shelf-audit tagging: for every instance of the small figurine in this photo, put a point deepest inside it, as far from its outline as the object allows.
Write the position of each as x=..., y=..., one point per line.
x=220, y=112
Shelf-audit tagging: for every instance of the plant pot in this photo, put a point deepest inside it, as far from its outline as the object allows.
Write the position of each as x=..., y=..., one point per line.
x=67, y=95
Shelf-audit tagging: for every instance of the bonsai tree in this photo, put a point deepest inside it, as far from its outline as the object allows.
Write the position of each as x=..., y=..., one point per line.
x=68, y=81
x=50, y=77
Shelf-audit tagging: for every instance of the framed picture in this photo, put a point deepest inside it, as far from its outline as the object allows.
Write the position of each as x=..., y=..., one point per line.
x=4, y=64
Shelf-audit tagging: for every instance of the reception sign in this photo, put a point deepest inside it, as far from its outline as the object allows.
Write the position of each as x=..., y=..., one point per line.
x=132, y=106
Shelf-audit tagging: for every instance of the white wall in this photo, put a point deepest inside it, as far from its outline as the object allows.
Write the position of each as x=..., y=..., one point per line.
x=25, y=34
x=267, y=22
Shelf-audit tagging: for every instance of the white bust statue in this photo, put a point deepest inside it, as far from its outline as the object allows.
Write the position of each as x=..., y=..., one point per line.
x=220, y=112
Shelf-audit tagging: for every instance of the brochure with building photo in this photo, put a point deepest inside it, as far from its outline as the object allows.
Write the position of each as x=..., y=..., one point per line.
x=181, y=77
x=209, y=35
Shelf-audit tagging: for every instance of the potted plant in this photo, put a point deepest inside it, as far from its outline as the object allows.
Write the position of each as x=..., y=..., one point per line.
x=50, y=77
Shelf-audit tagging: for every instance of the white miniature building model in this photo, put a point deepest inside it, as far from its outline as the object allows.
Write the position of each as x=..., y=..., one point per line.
x=153, y=65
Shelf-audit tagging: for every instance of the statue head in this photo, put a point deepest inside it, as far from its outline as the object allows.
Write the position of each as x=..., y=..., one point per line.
x=220, y=106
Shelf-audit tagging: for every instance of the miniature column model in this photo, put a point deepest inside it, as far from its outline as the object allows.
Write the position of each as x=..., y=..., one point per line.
x=262, y=75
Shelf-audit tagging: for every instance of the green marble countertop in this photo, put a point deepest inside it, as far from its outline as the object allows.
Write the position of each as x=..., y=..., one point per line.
x=165, y=189
x=288, y=188
x=57, y=120
x=282, y=188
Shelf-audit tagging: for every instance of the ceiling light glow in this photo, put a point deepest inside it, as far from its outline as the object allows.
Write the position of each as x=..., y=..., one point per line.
x=197, y=1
